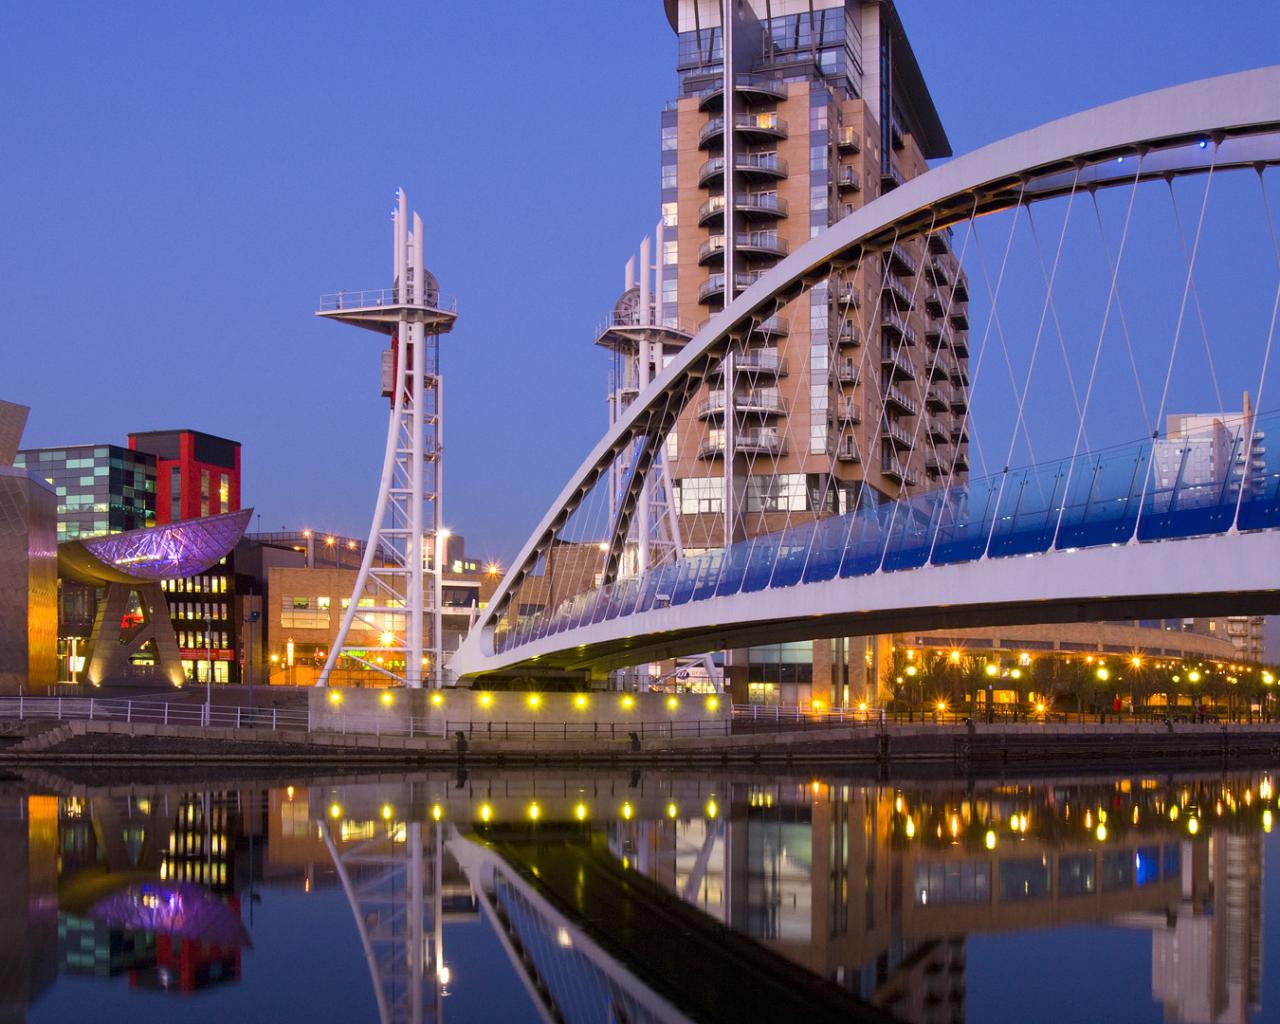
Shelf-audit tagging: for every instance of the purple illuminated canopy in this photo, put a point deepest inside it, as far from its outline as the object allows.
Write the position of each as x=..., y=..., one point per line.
x=155, y=553
x=180, y=909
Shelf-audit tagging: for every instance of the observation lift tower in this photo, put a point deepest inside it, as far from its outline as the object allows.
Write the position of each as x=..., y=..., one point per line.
x=399, y=579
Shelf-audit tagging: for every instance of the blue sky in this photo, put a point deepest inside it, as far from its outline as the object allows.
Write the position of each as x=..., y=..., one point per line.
x=181, y=182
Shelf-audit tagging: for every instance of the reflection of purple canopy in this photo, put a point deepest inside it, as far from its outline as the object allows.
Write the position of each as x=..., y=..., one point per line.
x=154, y=553
x=187, y=911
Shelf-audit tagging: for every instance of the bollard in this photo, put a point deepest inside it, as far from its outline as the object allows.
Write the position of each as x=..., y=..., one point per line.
x=128, y=710
x=91, y=709
x=166, y=712
x=237, y=717
x=273, y=719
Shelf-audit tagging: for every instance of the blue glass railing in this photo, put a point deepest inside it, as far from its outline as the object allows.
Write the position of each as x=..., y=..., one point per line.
x=1222, y=476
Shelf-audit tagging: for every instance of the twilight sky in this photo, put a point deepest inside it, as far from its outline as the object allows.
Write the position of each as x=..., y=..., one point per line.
x=180, y=182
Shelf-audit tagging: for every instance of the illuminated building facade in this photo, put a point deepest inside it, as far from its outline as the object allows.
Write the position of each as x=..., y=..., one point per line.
x=196, y=474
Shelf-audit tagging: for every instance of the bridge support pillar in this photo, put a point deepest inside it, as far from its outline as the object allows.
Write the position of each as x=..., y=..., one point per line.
x=735, y=680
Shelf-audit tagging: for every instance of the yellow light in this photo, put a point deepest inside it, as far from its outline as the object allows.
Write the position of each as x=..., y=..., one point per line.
x=672, y=810
x=713, y=810
x=627, y=812
x=486, y=699
x=1266, y=820
x=534, y=700
x=580, y=812
x=387, y=638
x=713, y=703
x=1135, y=661
x=1193, y=825
x=628, y=702
x=954, y=657
x=289, y=792
x=580, y=700
x=535, y=812
x=335, y=810
x=486, y=812
x=1040, y=706
x=942, y=705
x=1016, y=673
x=1103, y=675
x=386, y=812
x=1194, y=676
x=1264, y=789
x=1101, y=833
x=672, y=703
x=1268, y=678
x=328, y=542
x=819, y=706
x=493, y=569
x=992, y=668
x=911, y=655
x=437, y=699
x=990, y=840
x=275, y=658
x=387, y=698
x=603, y=545
x=1173, y=813
x=862, y=705
x=437, y=812
x=910, y=670
x=335, y=697
x=911, y=827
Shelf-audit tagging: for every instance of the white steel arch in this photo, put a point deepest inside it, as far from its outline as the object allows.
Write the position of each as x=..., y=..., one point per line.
x=1239, y=113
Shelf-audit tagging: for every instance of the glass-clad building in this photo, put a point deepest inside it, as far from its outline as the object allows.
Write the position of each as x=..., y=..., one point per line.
x=101, y=488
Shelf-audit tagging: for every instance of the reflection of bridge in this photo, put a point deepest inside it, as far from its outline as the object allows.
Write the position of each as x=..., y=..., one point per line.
x=1096, y=530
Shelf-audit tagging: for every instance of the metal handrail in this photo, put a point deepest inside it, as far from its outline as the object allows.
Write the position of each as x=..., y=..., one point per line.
x=369, y=298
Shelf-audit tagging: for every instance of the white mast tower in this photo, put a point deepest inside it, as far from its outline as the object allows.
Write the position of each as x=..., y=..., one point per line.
x=399, y=579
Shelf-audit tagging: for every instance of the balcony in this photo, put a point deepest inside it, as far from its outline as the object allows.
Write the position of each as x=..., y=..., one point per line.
x=940, y=370
x=933, y=304
x=751, y=205
x=890, y=178
x=748, y=442
x=713, y=288
x=940, y=242
x=753, y=245
x=896, y=435
x=847, y=450
x=848, y=334
x=774, y=327
x=762, y=402
x=897, y=400
x=895, y=364
x=892, y=325
x=753, y=166
x=849, y=412
x=753, y=89
x=847, y=372
x=935, y=466
x=960, y=344
x=960, y=376
x=959, y=400
x=848, y=140
x=937, y=431
x=752, y=127
x=848, y=180
x=901, y=262
x=892, y=287
x=755, y=362
x=895, y=469
x=960, y=434
x=937, y=399
x=961, y=464
x=960, y=314
x=939, y=274
x=962, y=289
x=937, y=334
x=847, y=295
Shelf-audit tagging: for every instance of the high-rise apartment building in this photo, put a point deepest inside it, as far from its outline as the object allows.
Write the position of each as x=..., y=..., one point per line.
x=856, y=391
x=1195, y=449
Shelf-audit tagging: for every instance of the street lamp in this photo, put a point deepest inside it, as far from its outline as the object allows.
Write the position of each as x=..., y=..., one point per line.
x=208, y=669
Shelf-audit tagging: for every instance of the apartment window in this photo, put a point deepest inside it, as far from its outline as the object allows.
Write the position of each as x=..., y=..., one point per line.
x=669, y=217
x=783, y=493
x=224, y=492
x=696, y=495
x=668, y=175
x=953, y=882
x=669, y=136
x=670, y=252
x=303, y=613
x=204, y=492
x=672, y=446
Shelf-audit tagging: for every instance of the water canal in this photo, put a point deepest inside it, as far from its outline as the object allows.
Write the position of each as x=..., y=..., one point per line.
x=639, y=897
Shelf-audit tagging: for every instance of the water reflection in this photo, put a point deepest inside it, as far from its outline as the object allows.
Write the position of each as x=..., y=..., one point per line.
x=641, y=897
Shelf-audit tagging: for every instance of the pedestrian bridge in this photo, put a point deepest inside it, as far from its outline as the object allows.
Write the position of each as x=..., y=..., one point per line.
x=1179, y=523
